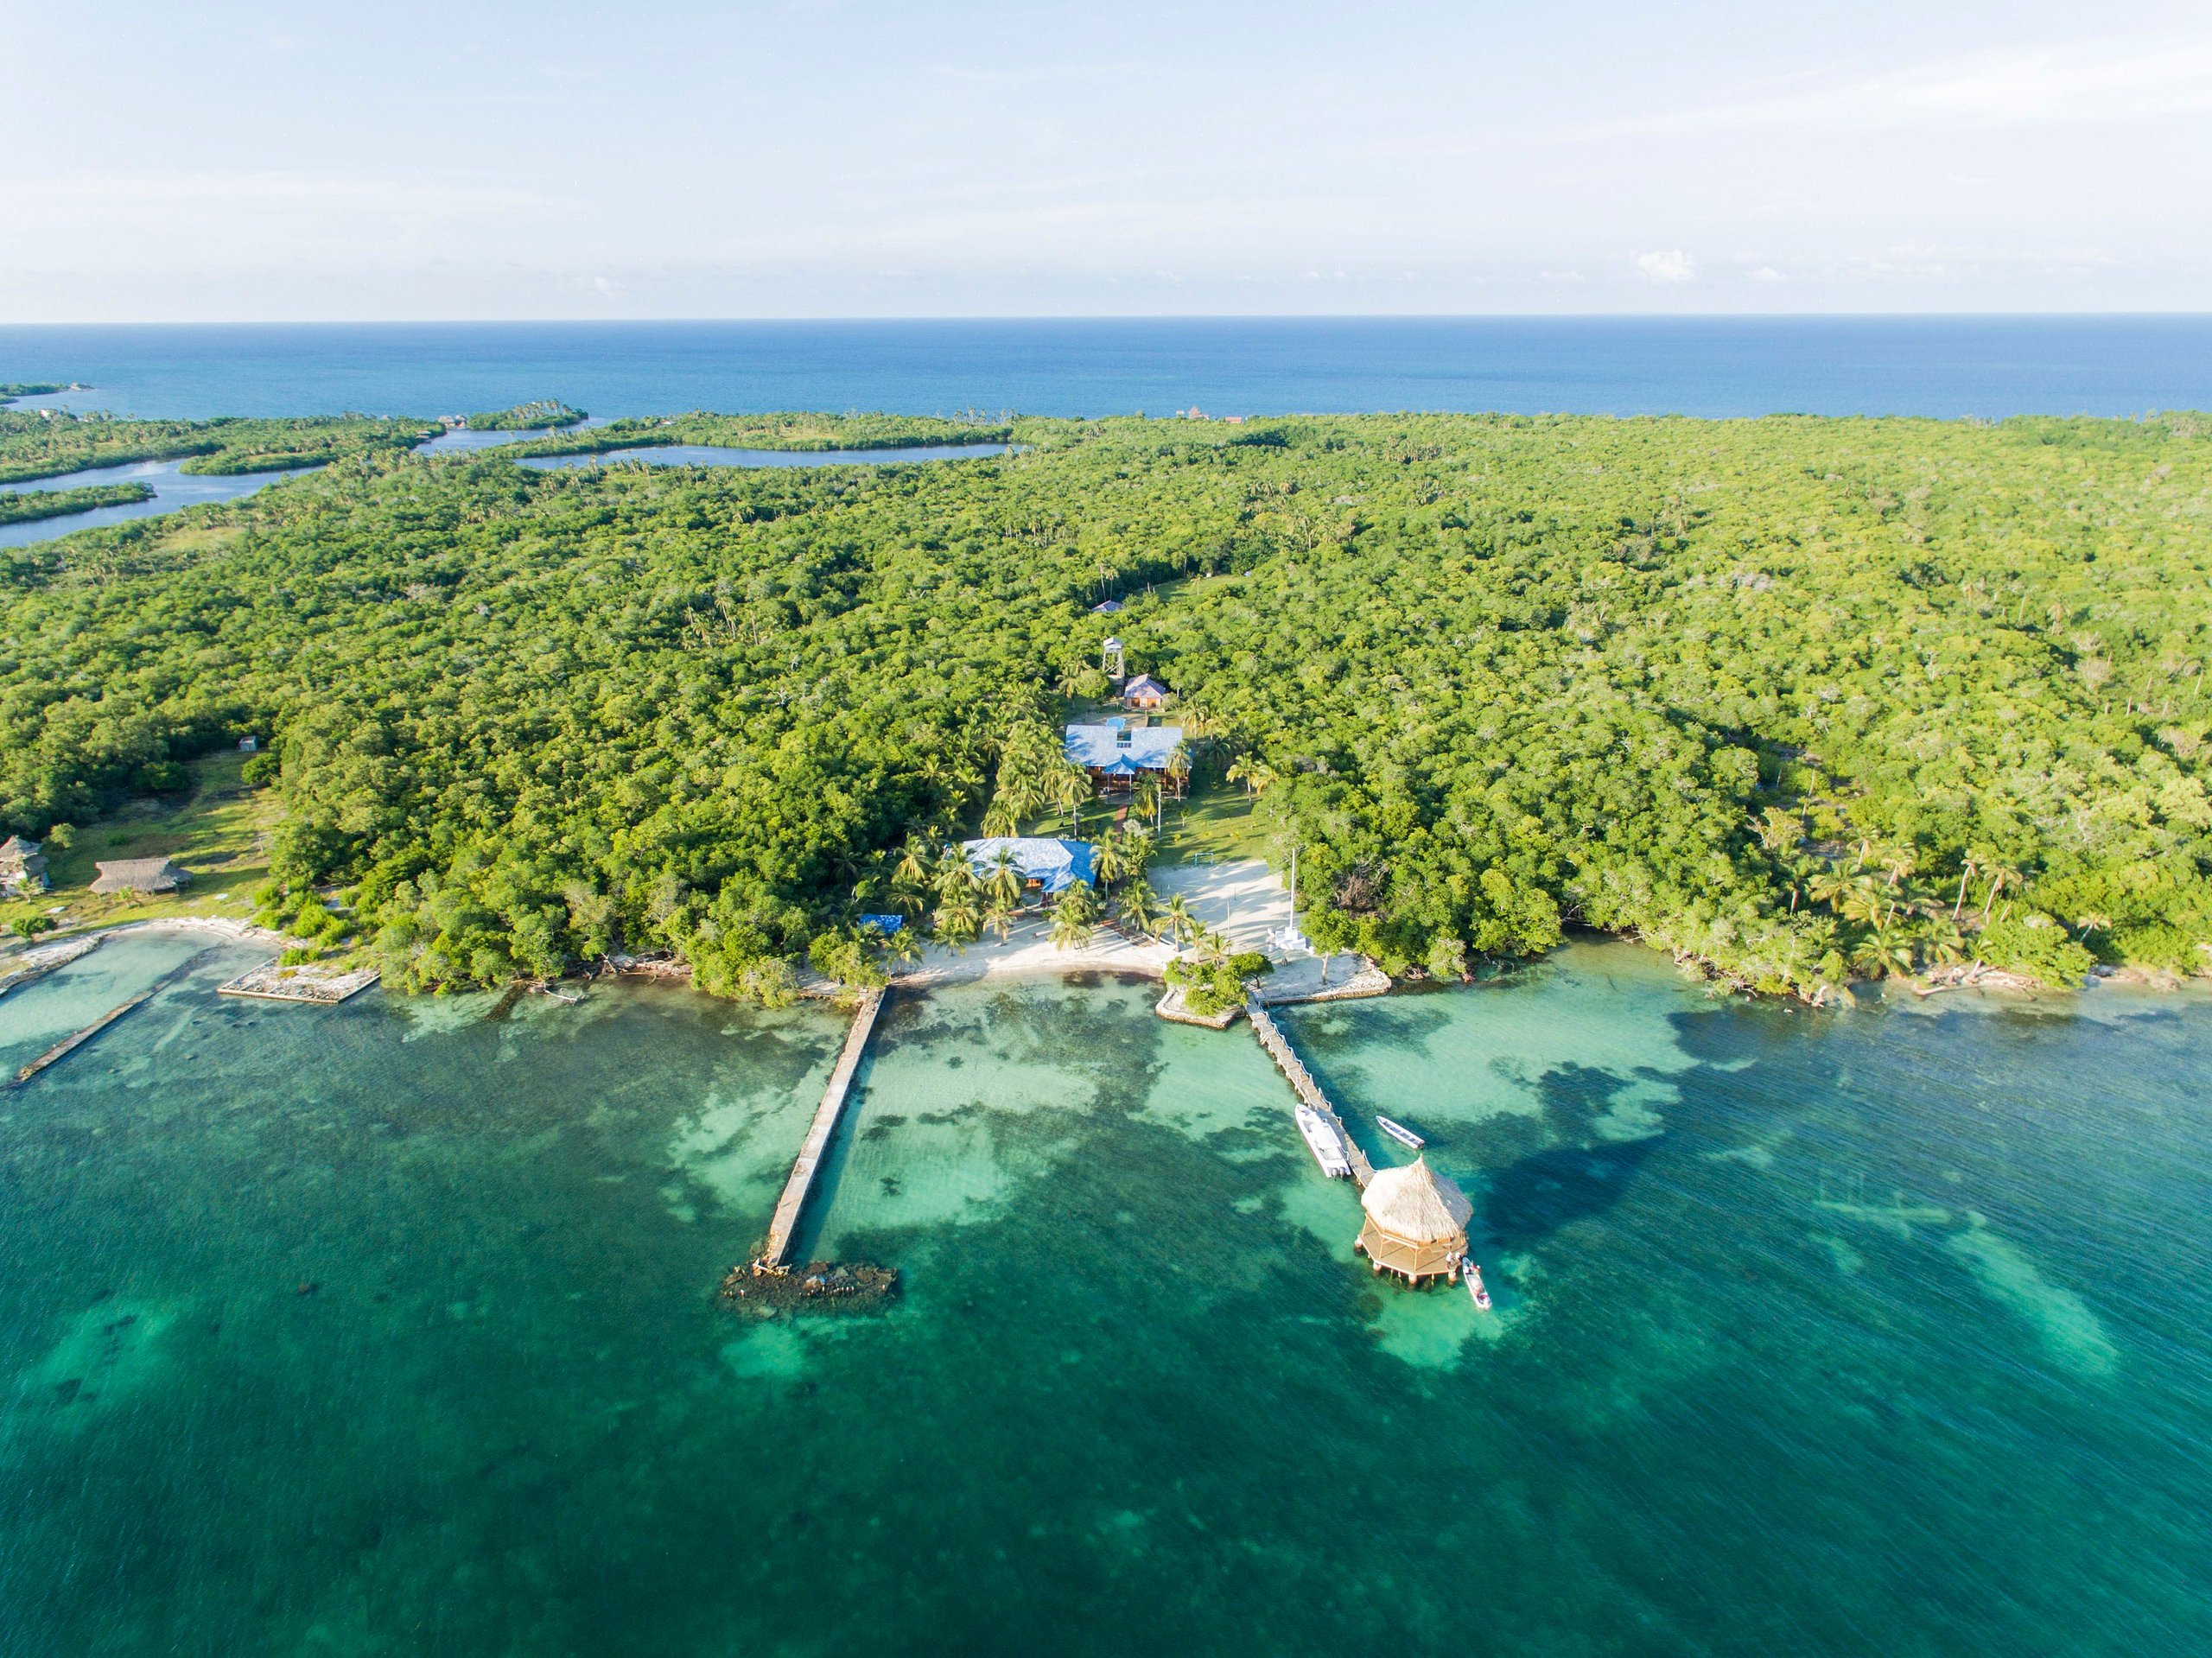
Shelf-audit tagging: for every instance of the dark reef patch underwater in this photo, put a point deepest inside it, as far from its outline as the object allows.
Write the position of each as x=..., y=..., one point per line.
x=1872, y=1333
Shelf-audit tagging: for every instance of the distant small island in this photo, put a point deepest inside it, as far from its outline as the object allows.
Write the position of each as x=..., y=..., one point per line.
x=544, y=413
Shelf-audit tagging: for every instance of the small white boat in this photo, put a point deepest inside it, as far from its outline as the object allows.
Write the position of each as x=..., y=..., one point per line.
x=1325, y=1142
x=1473, y=1276
x=1399, y=1132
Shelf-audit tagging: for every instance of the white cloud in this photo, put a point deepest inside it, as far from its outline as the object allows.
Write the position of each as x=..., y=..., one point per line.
x=2045, y=86
x=1767, y=273
x=1671, y=266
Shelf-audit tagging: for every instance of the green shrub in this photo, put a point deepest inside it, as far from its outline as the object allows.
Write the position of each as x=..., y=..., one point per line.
x=2034, y=944
x=1211, y=987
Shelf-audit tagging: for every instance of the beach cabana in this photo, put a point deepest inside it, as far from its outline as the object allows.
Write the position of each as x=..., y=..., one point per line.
x=140, y=875
x=1416, y=1222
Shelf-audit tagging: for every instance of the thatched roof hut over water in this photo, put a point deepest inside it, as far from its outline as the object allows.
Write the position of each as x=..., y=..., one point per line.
x=1416, y=1222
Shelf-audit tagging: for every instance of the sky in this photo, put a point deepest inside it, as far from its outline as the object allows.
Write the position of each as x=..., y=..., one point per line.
x=479, y=159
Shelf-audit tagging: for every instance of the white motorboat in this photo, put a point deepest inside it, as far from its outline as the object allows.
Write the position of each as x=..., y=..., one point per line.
x=1325, y=1142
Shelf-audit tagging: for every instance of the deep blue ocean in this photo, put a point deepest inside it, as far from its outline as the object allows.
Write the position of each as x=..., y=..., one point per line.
x=1951, y=367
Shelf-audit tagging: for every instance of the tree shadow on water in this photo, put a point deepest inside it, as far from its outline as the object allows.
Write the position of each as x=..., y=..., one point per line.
x=1576, y=1176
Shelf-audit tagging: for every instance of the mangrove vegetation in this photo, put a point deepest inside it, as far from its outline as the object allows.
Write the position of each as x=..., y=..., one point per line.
x=1806, y=700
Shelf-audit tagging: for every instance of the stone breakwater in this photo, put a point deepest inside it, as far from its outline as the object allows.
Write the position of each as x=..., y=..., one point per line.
x=762, y=1291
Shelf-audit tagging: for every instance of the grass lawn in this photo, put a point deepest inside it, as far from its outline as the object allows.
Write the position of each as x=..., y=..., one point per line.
x=218, y=829
x=1217, y=824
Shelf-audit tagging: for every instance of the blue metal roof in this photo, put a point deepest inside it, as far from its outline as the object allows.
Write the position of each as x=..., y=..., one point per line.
x=1053, y=864
x=1145, y=748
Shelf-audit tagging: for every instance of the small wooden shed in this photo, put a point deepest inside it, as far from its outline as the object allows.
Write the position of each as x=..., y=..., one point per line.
x=1145, y=692
x=1416, y=1222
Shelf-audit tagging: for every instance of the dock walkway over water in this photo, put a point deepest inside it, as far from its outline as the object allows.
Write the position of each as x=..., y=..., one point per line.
x=1301, y=1080
x=69, y=1044
x=785, y=1227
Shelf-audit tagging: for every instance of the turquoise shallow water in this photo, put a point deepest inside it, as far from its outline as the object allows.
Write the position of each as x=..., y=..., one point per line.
x=1871, y=1333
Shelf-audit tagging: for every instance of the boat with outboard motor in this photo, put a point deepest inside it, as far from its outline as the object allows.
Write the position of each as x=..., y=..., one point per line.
x=1473, y=1276
x=1325, y=1142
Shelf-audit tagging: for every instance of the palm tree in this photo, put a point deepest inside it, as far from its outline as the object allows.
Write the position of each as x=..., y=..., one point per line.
x=1862, y=901
x=1002, y=816
x=903, y=947
x=912, y=867
x=1006, y=880
x=1137, y=913
x=1136, y=850
x=1107, y=860
x=999, y=919
x=1969, y=866
x=1070, y=788
x=1181, y=924
x=1178, y=766
x=1148, y=797
x=956, y=921
x=909, y=897
x=1998, y=875
x=1075, y=917
x=954, y=873
x=1943, y=941
x=1877, y=957
x=1255, y=773
x=1828, y=887
x=1796, y=868
x=1899, y=861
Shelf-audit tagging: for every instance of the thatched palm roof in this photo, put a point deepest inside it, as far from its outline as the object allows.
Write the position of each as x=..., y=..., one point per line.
x=1416, y=1203
x=139, y=875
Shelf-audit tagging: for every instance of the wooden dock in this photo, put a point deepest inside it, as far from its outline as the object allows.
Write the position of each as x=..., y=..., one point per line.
x=1301, y=1080
x=785, y=1227
x=69, y=1044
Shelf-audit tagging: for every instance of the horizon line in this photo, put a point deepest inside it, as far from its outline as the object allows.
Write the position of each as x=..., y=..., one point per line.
x=1130, y=317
